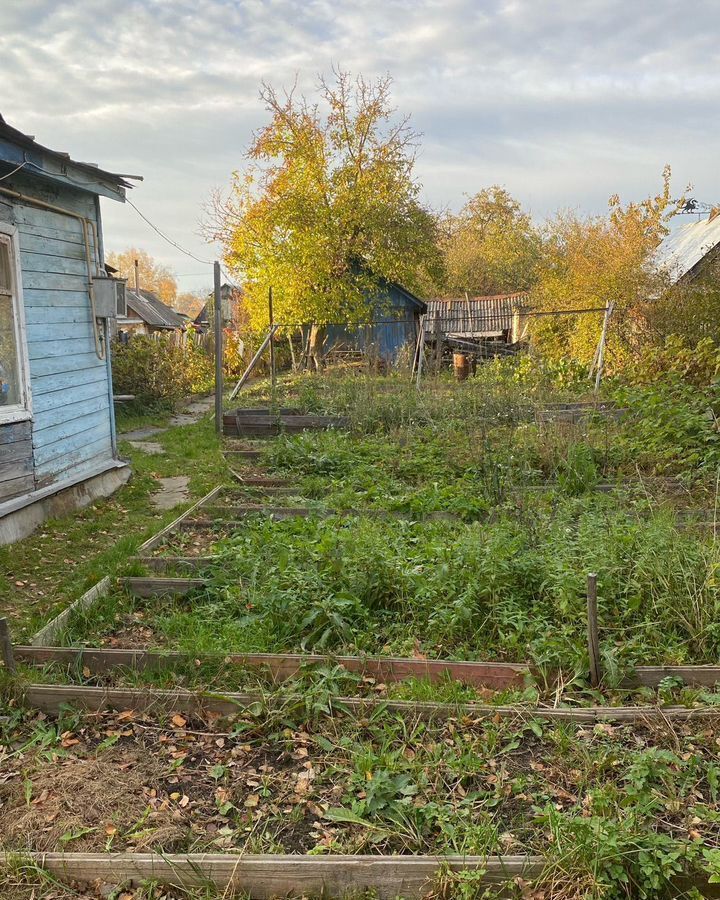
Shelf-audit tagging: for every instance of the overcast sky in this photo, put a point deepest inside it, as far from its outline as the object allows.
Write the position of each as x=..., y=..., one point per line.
x=561, y=101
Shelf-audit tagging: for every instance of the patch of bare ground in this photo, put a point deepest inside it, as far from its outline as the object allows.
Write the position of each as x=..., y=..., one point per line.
x=193, y=542
x=78, y=801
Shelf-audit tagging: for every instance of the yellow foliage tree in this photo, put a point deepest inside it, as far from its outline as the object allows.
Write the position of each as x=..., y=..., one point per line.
x=490, y=247
x=328, y=208
x=589, y=263
x=153, y=276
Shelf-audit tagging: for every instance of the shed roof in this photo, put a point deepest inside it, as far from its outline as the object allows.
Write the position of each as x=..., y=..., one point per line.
x=477, y=316
x=150, y=308
x=686, y=246
x=20, y=150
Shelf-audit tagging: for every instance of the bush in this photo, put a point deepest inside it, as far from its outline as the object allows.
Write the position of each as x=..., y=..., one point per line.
x=158, y=372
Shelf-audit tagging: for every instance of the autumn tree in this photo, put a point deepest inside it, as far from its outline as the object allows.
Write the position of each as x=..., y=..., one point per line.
x=490, y=247
x=153, y=276
x=328, y=206
x=588, y=263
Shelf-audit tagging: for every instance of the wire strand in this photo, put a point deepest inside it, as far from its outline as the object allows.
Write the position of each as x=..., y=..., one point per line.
x=23, y=163
x=206, y=262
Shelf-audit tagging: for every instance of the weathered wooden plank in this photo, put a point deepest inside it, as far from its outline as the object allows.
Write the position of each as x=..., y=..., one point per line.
x=81, y=330
x=42, y=348
x=78, y=451
x=95, y=420
x=48, y=634
x=282, y=666
x=264, y=411
x=651, y=676
x=18, y=431
x=50, y=282
x=241, y=455
x=73, y=385
x=74, y=360
x=52, y=264
x=15, y=451
x=158, y=538
x=16, y=487
x=56, y=315
x=34, y=220
x=67, y=246
x=75, y=409
x=36, y=234
x=267, y=876
x=162, y=587
x=41, y=299
x=11, y=469
x=165, y=563
x=50, y=698
x=289, y=421
x=262, y=480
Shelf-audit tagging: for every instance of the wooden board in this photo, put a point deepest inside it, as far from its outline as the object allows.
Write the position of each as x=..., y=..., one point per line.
x=48, y=635
x=50, y=698
x=267, y=876
x=165, y=563
x=162, y=587
x=158, y=538
x=281, y=666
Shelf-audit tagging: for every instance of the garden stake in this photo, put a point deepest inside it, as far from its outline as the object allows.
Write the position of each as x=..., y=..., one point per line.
x=592, y=631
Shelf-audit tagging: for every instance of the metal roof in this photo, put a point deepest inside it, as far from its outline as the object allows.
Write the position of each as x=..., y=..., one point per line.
x=22, y=151
x=474, y=316
x=150, y=308
x=686, y=246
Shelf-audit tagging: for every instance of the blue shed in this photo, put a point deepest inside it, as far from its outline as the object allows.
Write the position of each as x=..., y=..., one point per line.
x=394, y=323
x=57, y=430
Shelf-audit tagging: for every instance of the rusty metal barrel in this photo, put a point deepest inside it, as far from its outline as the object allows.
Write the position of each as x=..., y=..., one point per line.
x=461, y=365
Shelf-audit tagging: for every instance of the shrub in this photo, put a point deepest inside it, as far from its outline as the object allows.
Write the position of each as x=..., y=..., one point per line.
x=158, y=372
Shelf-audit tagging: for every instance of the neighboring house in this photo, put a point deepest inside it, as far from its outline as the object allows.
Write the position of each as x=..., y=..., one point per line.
x=231, y=305
x=393, y=324
x=57, y=429
x=147, y=314
x=476, y=319
x=691, y=250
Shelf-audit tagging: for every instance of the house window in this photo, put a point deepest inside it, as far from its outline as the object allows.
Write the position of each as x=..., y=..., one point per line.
x=14, y=396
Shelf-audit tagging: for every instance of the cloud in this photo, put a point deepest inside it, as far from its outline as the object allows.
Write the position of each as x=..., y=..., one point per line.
x=564, y=102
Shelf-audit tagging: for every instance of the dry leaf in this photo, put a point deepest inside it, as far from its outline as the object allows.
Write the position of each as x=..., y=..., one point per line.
x=252, y=801
x=179, y=721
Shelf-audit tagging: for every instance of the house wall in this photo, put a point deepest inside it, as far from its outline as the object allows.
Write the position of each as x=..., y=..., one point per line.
x=71, y=431
x=396, y=326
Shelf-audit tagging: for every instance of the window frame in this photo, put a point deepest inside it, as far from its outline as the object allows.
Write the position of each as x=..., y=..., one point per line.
x=22, y=411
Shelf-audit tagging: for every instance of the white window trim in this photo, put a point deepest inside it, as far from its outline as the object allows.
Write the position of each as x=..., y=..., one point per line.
x=18, y=412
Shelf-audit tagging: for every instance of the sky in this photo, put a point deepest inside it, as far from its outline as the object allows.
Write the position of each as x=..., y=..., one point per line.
x=563, y=102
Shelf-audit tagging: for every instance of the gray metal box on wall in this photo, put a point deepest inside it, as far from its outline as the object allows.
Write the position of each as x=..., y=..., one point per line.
x=109, y=295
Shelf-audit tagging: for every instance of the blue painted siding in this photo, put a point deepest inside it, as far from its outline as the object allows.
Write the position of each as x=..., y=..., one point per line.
x=396, y=317
x=71, y=426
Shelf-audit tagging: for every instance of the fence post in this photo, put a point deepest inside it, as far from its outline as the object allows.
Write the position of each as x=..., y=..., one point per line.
x=6, y=649
x=218, y=352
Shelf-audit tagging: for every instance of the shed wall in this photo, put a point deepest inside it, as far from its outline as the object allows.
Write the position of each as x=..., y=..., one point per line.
x=71, y=429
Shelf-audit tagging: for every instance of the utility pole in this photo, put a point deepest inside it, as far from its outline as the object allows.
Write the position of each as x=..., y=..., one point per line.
x=218, y=323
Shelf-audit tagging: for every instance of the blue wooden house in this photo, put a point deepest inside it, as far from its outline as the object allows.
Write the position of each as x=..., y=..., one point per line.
x=393, y=325
x=57, y=432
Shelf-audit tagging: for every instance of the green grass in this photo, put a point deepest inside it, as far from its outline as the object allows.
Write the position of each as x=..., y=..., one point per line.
x=42, y=574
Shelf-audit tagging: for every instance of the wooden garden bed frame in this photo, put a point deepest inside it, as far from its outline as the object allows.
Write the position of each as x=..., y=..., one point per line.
x=51, y=698
x=268, y=876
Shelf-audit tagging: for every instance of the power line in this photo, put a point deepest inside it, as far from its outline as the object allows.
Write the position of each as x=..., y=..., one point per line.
x=162, y=234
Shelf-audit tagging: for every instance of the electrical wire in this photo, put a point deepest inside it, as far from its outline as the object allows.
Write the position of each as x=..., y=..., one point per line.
x=23, y=163
x=205, y=262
